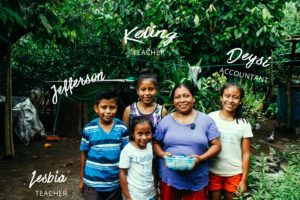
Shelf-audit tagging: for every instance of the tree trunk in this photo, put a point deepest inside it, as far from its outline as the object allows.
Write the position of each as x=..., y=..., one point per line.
x=269, y=96
x=9, y=145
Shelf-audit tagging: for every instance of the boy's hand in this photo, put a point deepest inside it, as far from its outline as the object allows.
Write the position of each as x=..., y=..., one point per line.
x=81, y=185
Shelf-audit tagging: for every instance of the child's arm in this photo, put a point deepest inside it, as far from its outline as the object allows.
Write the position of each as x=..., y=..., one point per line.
x=164, y=112
x=155, y=181
x=126, y=116
x=82, y=166
x=123, y=182
x=245, y=163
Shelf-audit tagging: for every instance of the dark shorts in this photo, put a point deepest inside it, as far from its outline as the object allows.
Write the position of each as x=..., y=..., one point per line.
x=92, y=194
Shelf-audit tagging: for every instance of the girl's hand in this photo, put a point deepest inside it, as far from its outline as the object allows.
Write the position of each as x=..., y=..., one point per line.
x=198, y=160
x=156, y=194
x=242, y=186
x=81, y=185
x=166, y=154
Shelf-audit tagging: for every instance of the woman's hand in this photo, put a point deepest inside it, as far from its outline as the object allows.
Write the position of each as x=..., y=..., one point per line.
x=166, y=154
x=197, y=161
x=81, y=185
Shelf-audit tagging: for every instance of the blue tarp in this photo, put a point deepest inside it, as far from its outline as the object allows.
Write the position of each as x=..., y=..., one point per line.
x=282, y=107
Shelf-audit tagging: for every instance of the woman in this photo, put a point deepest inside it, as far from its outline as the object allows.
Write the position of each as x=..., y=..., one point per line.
x=190, y=133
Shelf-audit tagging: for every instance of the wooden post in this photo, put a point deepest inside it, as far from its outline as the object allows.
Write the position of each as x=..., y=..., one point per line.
x=289, y=100
x=289, y=90
x=9, y=145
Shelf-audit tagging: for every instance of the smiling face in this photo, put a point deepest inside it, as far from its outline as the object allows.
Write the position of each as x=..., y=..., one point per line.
x=106, y=110
x=147, y=91
x=183, y=100
x=231, y=99
x=142, y=135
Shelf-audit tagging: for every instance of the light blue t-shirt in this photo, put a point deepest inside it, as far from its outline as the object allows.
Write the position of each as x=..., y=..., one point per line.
x=185, y=139
x=139, y=177
x=102, y=165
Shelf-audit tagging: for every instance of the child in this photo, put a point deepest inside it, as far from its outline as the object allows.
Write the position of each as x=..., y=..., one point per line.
x=229, y=169
x=136, y=172
x=101, y=144
x=146, y=90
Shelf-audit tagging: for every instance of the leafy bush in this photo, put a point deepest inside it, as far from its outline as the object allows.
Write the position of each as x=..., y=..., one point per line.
x=285, y=186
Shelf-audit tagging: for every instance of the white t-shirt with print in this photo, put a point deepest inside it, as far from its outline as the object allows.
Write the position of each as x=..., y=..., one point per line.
x=229, y=161
x=139, y=177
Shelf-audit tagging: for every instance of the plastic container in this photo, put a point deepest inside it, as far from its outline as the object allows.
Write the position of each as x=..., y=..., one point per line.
x=180, y=162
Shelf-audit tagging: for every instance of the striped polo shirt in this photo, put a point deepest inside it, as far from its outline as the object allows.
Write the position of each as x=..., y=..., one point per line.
x=102, y=165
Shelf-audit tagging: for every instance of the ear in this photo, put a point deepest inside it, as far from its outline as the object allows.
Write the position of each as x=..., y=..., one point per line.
x=194, y=99
x=96, y=108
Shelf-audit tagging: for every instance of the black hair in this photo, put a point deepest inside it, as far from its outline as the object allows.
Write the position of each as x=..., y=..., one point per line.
x=145, y=74
x=187, y=86
x=105, y=94
x=139, y=120
x=239, y=111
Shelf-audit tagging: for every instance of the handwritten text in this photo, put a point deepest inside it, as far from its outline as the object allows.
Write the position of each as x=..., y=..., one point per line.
x=70, y=84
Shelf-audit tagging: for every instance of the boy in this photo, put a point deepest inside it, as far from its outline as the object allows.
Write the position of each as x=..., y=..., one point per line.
x=101, y=144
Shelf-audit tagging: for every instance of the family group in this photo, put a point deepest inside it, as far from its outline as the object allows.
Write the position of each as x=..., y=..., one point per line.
x=127, y=159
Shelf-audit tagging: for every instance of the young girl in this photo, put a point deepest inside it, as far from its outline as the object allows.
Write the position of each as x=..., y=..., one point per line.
x=136, y=173
x=229, y=169
x=146, y=90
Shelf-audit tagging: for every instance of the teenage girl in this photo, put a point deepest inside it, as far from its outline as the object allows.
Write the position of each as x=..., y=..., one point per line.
x=146, y=90
x=136, y=172
x=229, y=169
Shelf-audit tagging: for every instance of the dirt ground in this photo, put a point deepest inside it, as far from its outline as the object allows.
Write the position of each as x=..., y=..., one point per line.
x=63, y=159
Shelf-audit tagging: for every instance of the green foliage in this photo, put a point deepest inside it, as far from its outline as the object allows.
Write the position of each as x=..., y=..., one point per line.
x=272, y=110
x=208, y=96
x=285, y=185
x=291, y=24
x=253, y=102
x=206, y=30
x=45, y=19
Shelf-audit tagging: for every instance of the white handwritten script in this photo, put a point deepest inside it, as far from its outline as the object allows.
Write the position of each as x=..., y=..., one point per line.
x=47, y=178
x=69, y=84
x=149, y=32
x=250, y=57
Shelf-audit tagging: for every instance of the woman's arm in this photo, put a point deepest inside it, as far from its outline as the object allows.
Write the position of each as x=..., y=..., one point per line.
x=124, y=184
x=82, y=166
x=126, y=115
x=246, y=145
x=157, y=147
x=214, y=149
